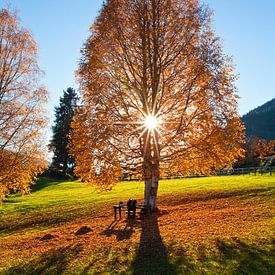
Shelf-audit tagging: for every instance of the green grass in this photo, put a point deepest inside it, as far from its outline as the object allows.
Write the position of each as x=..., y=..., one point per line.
x=49, y=193
x=42, y=207
x=155, y=245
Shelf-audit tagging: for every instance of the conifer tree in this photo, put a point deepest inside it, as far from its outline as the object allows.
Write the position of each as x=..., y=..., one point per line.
x=64, y=113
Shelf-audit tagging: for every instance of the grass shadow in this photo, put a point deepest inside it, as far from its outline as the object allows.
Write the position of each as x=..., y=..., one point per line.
x=121, y=234
x=50, y=262
x=43, y=219
x=213, y=195
x=45, y=182
x=247, y=258
x=230, y=256
x=152, y=257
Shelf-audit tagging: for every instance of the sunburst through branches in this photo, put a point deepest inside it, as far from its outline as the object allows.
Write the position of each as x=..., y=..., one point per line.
x=151, y=122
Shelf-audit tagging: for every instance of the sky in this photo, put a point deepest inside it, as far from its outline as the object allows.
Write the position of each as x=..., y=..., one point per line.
x=247, y=28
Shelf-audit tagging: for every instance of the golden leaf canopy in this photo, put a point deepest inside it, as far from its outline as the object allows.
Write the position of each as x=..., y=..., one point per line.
x=155, y=58
x=22, y=113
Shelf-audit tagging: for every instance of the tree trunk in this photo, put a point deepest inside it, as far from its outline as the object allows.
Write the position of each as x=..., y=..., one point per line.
x=151, y=178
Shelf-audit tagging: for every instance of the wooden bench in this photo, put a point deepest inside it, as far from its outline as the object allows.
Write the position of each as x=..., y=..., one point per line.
x=142, y=210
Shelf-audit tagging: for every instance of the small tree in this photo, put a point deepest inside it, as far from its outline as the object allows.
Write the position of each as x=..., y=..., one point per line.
x=253, y=148
x=22, y=114
x=158, y=94
x=265, y=148
x=64, y=113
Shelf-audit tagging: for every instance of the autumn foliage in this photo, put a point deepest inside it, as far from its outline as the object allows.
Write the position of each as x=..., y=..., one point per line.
x=265, y=148
x=21, y=106
x=154, y=58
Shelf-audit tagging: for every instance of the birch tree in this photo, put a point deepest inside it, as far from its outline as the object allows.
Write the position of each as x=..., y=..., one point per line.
x=21, y=106
x=158, y=95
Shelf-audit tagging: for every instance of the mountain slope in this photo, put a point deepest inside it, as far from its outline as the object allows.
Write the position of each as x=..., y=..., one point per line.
x=261, y=121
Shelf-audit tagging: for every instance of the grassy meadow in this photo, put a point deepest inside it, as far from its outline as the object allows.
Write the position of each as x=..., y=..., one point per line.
x=208, y=225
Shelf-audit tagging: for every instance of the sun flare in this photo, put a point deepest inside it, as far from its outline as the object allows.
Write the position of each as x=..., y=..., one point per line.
x=151, y=122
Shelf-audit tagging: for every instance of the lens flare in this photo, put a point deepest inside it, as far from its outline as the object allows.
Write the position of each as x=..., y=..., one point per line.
x=151, y=122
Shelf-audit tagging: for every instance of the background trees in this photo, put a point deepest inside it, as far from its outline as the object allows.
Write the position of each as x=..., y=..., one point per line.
x=21, y=106
x=260, y=121
x=64, y=113
x=258, y=152
x=161, y=59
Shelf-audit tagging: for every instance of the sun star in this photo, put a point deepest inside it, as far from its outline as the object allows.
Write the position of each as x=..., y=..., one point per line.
x=151, y=122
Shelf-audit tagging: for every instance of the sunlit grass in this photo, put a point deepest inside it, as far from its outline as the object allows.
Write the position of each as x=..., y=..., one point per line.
x=48, y=193
x=73, y=199
x=210, y=225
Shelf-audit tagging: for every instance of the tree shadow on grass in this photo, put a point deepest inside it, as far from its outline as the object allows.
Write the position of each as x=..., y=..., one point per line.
x=152, y=256
x=44, y=218
x=45, y=182
x=247, y=258
x=230, y=256
x=213, y=195
x=50, y=262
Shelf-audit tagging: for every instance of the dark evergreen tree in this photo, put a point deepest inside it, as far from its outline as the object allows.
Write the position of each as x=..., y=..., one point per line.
x=62, y=160
x=260, y=121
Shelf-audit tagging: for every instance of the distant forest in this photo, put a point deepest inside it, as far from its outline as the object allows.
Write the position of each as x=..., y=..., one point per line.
x=260, y=121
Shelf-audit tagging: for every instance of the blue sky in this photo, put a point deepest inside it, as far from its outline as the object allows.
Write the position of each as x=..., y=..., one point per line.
x=247, y=28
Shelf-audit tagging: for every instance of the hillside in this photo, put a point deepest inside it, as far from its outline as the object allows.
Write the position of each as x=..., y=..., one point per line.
x=261, y=121
x=209, y=225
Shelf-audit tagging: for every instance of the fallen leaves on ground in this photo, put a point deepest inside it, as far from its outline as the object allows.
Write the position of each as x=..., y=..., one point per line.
x=193, y=218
